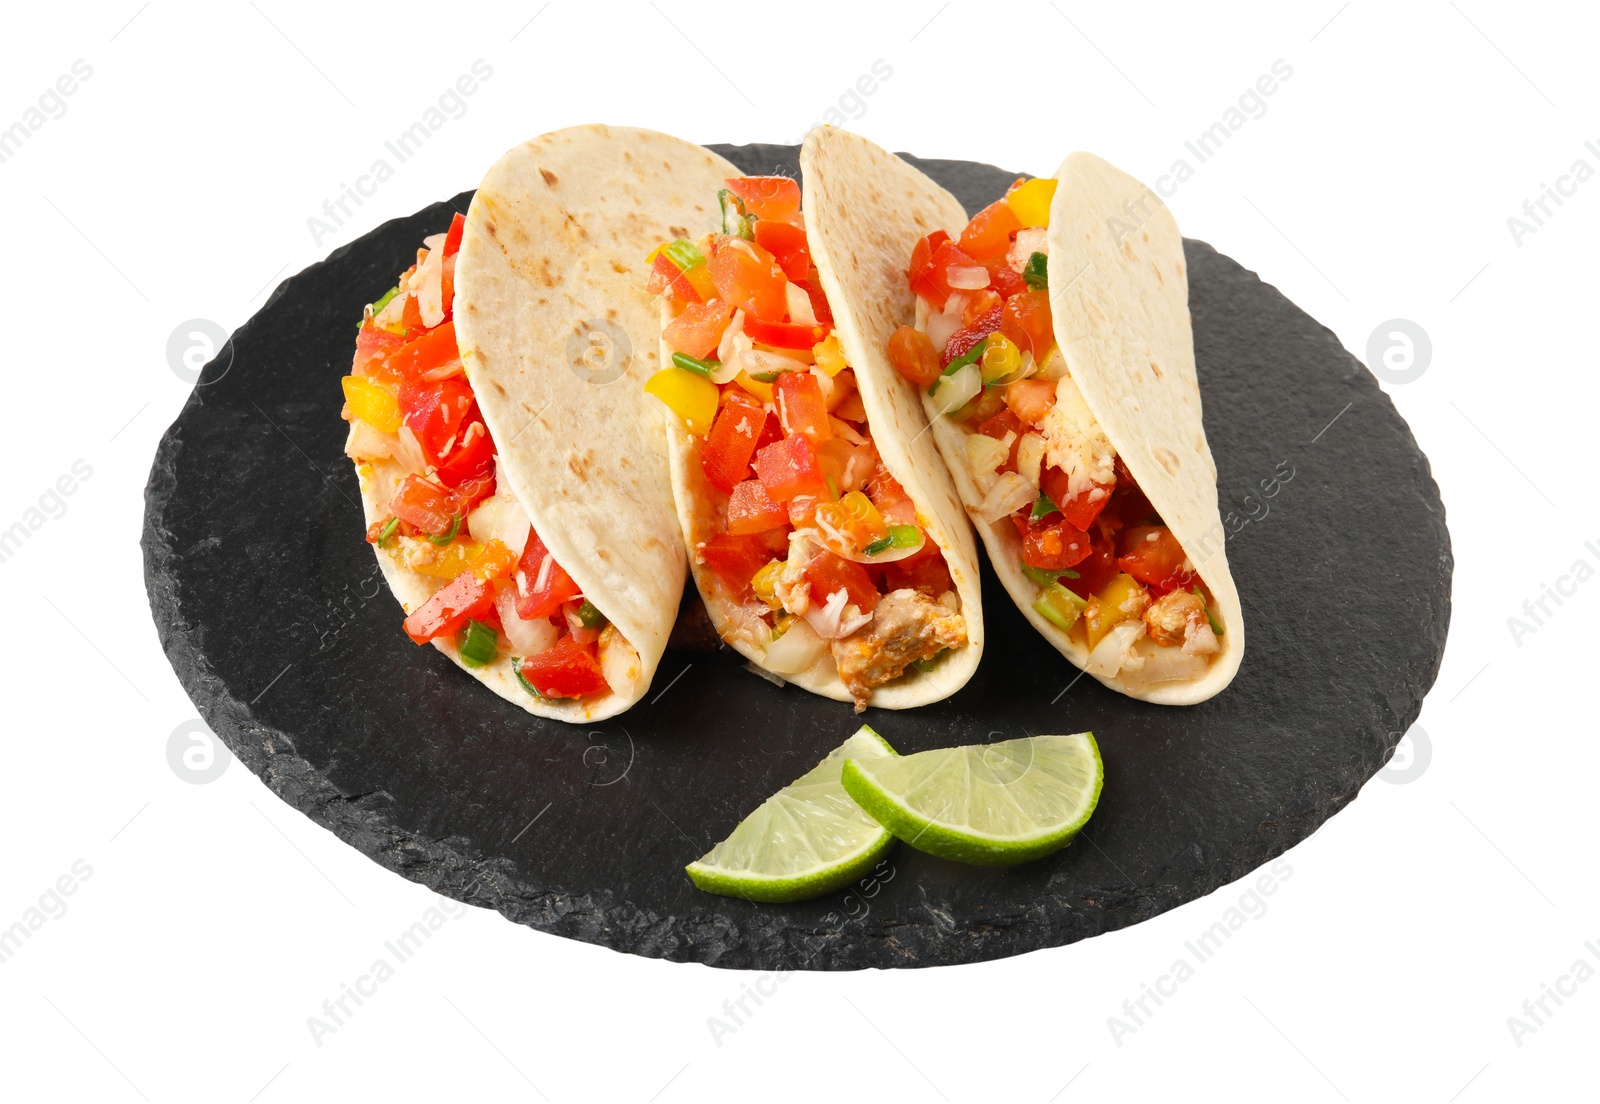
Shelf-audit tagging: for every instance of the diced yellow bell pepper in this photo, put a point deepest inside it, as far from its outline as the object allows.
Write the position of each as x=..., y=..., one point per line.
x=829, y=355
x=492, y=561
x=426, y=558
x=699, y=278
x=372, y=403
x=1001, y=357
x=1030, y=201
x=765, y=584
x=693, y=398
x=753, y=386
x=1121, y=599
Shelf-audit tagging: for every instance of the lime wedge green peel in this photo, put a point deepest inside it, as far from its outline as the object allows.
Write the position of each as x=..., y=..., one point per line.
x=992, y=804
x=807, y=839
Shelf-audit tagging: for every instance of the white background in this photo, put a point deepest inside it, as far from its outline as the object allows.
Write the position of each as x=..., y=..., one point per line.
x=1377, y=185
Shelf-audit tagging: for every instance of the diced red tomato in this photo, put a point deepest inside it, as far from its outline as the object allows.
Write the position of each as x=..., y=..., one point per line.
x=566, y=669
x=948, y=256
x=819, y=301
x=732, y=441
x=446, y=613
x=988, y=236
x=750, y=278
x=787, y=243
x=920, y=272
x=664, y=275
x=783, y=335
x=966, y=337
x=929, y=574
x=890, y=498
x=1151, y=554
x=1051, y=543
x=698, y=329
x=436, y=411
x=1079, y=509
x=1095, y=570
x=424, y=505
x=1129, y=503
x=997, y=427
x=452, y=237
x=471, y=459
x=978, y=310
x=735, y=557
x=768, y=197
x=751, y=510
x=433, y=349
x=912, y=353
x=1004, y=281
x=1031, y=399
x=788, y=468
x=801, y=407
x=373, y=345
x=1026, y=321
x=540, y=597
x=827, y=573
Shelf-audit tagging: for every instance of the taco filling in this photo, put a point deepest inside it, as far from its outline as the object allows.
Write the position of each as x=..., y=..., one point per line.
x=815, y=543
x=415, y=424
x=1108, y=572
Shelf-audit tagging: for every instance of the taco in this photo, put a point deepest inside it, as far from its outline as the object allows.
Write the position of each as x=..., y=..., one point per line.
x=513, y=475
x=825, y=537
x=1055, y=358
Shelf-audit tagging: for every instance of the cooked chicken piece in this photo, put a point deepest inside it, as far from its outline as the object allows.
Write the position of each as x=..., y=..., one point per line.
x=1170, y=617
x=906, y=626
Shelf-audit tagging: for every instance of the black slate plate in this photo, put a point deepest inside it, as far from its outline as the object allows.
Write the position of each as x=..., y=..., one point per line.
x=273, y=614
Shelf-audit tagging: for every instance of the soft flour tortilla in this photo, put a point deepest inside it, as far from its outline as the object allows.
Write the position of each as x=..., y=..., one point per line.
x=558, y=335
x=1119, y=296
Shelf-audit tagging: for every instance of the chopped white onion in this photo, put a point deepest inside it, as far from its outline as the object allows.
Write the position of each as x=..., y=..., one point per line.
x=511, y=527
x=1031, y=240
x=988, y=455
x=409, y=452
x=799, y=304
x=1115, y=652
x=838, y=617
x=958, y=389
x=451, y=368
x=1009, y=494
x=481, y=522
x=527, y=638
x=1054, y=366
x=795, y=651
x=367, y=442
x=1165, y=664
x=430, y=289
x=1030, y=456
x=732, y=337
x=940, y=327
x=967, y=277
x=619, y=661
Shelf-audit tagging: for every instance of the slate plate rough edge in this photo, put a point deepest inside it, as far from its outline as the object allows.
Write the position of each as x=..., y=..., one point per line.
x=448, y=866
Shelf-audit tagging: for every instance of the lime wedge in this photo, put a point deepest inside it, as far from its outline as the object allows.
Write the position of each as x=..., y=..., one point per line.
x=807, y=839
x=993, y=804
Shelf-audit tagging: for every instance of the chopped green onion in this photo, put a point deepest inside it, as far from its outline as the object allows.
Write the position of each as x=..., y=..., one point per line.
x=684, y=254
x=1045, y=576
x=384, y=302
x=1059, y=606
x=455, y=527
x=969, y=357
x=926, y=665
x=695, y=364
x=905, y=536
x=1033, y=273
x=833, y=488
x=1043, y=507
x=589, y=615
x=1216, y=626
x=477, y=644
x=766, y=377
x=736, y=219
x=516, y=669
x=882, y=544
x=387, y=531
